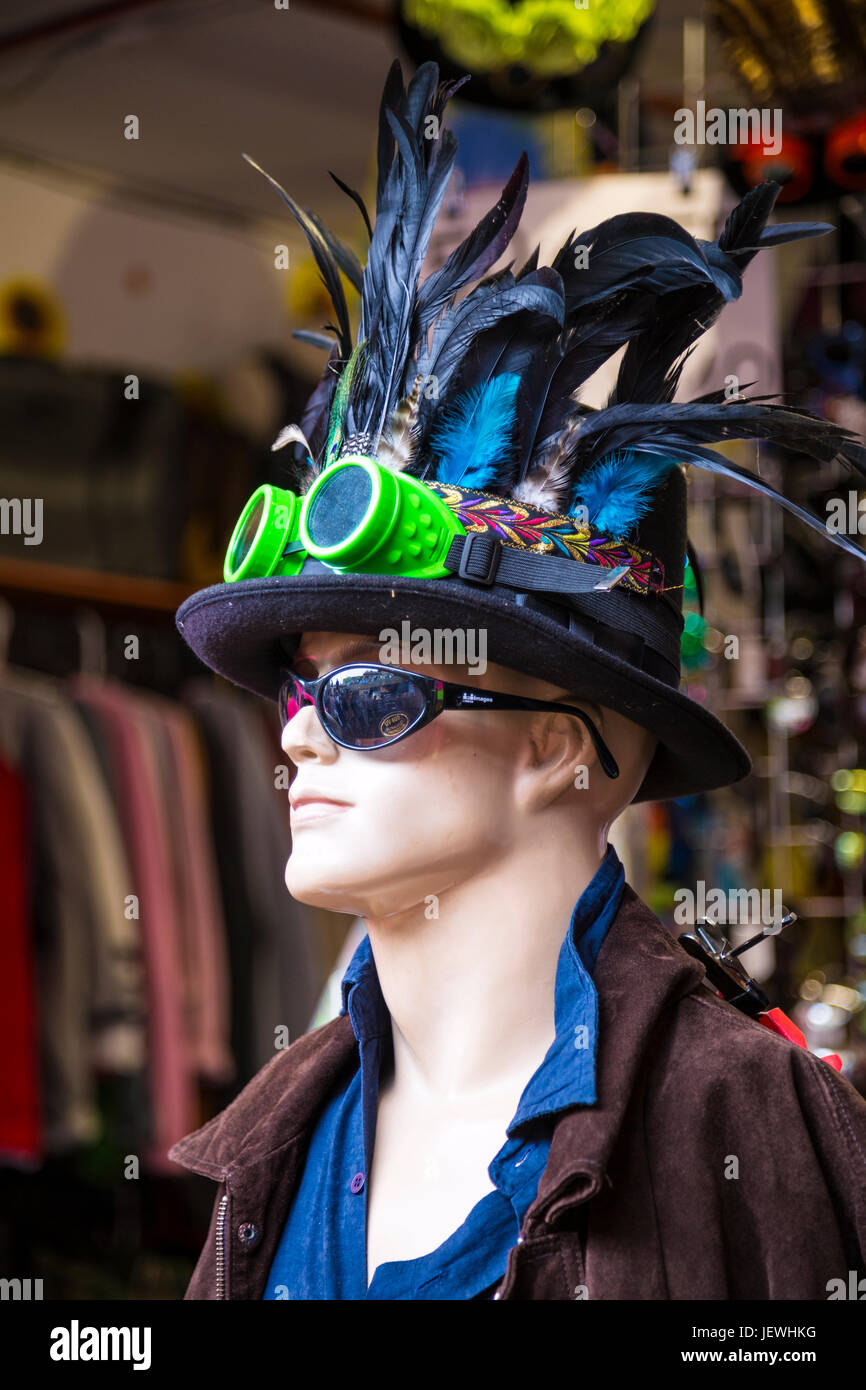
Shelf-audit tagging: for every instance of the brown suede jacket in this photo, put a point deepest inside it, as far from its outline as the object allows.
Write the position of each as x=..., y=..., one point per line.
x=719, y=1162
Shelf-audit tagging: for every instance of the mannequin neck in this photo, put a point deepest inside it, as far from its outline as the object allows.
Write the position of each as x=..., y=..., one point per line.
x=471, y=991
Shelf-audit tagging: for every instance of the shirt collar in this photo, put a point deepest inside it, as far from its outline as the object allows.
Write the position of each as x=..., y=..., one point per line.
x=566, y=1076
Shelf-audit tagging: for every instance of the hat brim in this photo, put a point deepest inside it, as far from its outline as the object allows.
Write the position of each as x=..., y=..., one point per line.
x=244, y=632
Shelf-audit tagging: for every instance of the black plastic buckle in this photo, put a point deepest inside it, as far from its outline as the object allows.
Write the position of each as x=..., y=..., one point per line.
x=480, y=558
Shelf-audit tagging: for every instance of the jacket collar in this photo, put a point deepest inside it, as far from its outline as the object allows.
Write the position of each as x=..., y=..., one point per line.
x=640, y=972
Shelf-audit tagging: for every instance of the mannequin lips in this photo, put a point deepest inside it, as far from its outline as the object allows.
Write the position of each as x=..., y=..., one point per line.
x=313, y=805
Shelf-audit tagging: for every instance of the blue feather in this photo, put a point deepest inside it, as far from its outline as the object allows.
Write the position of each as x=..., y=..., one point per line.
x=618, y=491
x=474, y=434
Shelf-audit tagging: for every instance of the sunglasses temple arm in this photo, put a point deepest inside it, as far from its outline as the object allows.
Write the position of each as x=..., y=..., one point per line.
x=608, y=762
x=605, y=757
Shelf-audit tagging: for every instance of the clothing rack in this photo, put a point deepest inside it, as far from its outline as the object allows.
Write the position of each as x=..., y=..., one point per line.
x=68, y=584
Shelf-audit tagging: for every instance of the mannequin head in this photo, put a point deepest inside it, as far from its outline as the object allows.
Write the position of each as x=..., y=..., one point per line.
x=451, y=801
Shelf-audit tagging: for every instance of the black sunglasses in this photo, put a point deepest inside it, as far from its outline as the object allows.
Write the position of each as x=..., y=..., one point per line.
x=369, y=706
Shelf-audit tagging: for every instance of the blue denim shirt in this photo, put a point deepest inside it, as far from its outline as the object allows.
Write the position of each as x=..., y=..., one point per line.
x=323, y=1250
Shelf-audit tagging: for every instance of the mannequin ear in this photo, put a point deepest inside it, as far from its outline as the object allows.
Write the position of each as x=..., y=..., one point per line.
x=560, y=755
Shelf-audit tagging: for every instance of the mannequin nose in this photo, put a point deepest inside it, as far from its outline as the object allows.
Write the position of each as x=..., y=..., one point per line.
x=304, y=740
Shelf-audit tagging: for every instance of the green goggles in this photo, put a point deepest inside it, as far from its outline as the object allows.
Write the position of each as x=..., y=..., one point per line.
x=361, y=518
x=357, y=516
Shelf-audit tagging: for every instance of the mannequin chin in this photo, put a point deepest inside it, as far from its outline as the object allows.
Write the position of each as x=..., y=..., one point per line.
x=395, y=829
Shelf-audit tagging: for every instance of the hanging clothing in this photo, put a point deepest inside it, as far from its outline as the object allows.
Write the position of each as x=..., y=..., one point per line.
x=276, y=969
x=133, y=734
x=20, y=1089
x=202, y=918
x=87, y=951
x=323, y=1250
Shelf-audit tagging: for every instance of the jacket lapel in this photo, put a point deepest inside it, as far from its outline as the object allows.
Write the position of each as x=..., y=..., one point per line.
x=640, y=972
x=276, y=1107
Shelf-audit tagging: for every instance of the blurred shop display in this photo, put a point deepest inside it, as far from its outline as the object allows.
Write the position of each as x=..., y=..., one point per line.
x=809, y=61
x=808, y=57
x=144, y=475
x=526, y=54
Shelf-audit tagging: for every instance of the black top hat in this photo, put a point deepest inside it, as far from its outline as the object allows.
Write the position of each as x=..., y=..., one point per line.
x=572, y=521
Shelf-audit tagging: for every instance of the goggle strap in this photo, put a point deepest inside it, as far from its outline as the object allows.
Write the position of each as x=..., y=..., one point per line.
x=483, y=559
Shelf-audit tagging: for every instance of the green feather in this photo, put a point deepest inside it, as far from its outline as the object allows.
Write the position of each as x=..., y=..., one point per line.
x=338, y=406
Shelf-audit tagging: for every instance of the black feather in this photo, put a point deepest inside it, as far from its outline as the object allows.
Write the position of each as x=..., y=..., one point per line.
x=392, y=97
x=623, y=426
x=345, y=258
x=319, y=340
x=324, y=258
x=411, y=195
x=314, y=421
x=681, y=316
x=356, y=199
x=717, y=463
x=476, y=253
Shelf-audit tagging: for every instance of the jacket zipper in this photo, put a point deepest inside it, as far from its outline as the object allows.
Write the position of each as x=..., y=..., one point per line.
x=220, y=1246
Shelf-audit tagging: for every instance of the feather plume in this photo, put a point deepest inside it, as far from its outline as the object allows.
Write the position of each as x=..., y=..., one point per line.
x=343, y=255
x=547, y=486
x=411, y=194
x=714, y=462
x=287, y=435
x=397, y=444
x=314, y=421
x=472, y=436
x=646, y=367
x=620, y=426
x=619, y=490
x=509, y=350
x=458, y=329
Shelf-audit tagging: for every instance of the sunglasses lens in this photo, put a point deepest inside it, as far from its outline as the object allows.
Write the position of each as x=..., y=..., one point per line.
x=369, y=708
x=291, y=699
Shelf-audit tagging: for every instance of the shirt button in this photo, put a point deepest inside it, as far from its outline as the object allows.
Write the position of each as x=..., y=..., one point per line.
x=248, y=1234
x=357, y=1182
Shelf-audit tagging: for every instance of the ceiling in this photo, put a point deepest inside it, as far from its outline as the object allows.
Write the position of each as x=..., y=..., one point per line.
x=297, y=88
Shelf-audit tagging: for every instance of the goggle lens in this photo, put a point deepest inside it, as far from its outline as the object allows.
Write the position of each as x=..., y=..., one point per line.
x=247, y=534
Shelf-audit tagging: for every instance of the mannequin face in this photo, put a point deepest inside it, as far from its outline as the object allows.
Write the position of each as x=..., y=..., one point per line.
x=381, y=831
